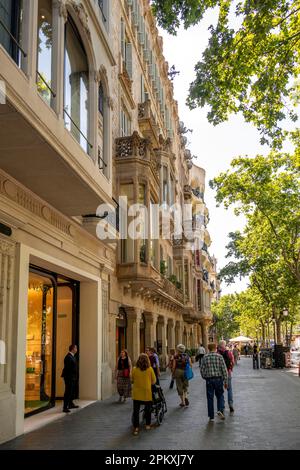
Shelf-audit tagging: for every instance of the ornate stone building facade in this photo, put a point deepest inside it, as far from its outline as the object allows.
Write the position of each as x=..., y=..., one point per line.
x=88, y=116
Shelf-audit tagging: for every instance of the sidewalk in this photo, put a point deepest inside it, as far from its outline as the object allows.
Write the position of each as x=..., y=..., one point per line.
x=267, y=417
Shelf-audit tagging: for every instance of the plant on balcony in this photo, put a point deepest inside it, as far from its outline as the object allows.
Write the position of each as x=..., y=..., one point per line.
x=163, y=267
x=173, y=279
x=178, y=284
x=143, y=254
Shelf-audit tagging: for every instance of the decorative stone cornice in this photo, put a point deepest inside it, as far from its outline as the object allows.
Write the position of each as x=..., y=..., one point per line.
x=25, y=199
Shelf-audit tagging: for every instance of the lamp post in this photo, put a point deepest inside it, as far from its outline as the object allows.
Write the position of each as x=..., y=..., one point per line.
x=285, y=314
x=274, y=323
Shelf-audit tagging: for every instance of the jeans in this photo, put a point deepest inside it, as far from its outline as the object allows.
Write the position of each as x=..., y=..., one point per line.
x=136, y=412
x=214, y=386
x=229, y=392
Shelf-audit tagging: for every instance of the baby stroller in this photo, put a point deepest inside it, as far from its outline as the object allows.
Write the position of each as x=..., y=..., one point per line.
x=159, y=405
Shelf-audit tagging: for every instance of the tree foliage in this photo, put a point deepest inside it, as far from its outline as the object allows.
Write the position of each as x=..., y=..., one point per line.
x=267, y=191
x=251, y=63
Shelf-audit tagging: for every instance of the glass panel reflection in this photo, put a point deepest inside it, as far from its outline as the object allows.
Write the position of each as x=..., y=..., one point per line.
x=38, y=375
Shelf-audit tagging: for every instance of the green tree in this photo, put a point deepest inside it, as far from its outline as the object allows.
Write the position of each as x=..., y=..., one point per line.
x=267, y=191
x=251, y=68
x=226, y=314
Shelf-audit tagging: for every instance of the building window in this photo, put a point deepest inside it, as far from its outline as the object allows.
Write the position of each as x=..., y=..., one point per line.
x=11, y=23
x=143, y=225
x=76, y=99
x=126, y=50
x=101, y=100
x=127, y=243
x=125, y=124
x=199, y=294
x=165, y=185
x=103, y=9
x=44, y=52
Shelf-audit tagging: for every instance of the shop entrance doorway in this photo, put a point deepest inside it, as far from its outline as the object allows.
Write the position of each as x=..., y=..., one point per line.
x=52, y=325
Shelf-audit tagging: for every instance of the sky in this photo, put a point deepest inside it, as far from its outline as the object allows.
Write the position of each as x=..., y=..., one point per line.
x=215, y=147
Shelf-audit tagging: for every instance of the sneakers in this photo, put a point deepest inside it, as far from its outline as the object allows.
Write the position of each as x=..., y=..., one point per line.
x=231, y=409
x=135, y=431
x=148, y=427
x=221, y=415
x=211, y=420
x=66, y=410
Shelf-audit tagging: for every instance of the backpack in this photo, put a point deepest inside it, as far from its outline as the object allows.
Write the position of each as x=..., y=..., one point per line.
x=226, y=358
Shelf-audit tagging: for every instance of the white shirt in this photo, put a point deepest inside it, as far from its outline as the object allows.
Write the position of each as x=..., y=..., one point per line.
x=201, y=350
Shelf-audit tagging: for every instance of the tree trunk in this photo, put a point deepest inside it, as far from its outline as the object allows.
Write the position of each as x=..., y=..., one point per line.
x=278, y=331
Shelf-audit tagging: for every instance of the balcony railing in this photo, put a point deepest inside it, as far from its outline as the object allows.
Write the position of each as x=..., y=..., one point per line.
x=172, y=290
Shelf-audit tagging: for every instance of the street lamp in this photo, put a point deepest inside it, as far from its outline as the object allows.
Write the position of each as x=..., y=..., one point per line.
x=285, y=314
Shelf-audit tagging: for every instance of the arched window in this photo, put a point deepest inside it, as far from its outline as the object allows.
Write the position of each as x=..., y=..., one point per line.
x=76, y=98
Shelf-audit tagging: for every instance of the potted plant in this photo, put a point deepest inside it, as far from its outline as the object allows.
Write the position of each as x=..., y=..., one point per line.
x=163, y=267
x=173, y=279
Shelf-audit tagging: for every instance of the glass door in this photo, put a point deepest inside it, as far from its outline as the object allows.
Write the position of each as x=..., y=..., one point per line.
x=39, y=384
x=66, y=327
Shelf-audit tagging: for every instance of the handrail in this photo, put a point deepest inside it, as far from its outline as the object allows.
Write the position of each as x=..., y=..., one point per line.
x=102, y=160
x=73, y=122
x=13, y=38
x=44, y=81
x=100, y=4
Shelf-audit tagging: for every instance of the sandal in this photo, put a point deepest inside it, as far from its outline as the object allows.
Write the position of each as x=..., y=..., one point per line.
x=186, y=402
x=181, y=404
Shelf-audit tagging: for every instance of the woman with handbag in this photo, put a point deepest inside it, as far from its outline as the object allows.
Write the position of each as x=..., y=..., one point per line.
x=123, y=376
x=180, y=362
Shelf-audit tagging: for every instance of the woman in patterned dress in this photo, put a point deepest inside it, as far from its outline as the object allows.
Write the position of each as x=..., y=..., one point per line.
x=123, y=376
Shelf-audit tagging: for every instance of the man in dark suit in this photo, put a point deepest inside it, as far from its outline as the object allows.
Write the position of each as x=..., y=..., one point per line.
x=70, y=376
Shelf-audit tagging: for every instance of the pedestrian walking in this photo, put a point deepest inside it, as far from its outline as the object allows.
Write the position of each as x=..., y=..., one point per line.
x=200, y=354
x=170, y=365
x=70, y=376
x=143, y=377
x=213, y=370
x=246, y=350
x=255, y=356
x=180, y=361
x=229, y=362
x=154, y=361
x=123, y=376
x=236, y=353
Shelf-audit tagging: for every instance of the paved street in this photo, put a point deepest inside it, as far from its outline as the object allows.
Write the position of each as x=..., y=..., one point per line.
x=267, y=417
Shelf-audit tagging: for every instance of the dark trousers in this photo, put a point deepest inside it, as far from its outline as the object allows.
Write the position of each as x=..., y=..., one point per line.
x=214, y=386
x=70, y=387
x=156, y=375
x=201, y=356
x=136, y=412
x=255, y=361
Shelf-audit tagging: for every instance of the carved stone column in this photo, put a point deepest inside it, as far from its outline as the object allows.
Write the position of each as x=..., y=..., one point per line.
x=133, y=332
x=171, y=335
x=150, y=331
x=7, y=260
x=204, y=327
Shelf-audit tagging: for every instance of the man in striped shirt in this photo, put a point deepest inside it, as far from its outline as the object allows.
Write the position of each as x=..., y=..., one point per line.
x=214, y=371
